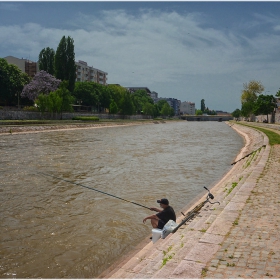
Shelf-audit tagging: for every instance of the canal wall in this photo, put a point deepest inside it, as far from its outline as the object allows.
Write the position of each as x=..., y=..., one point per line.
x=26, y=115
x=207, y=118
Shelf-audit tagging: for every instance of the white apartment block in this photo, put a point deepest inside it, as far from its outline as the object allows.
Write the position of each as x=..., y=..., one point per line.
x=85, y=73
x=187, y=108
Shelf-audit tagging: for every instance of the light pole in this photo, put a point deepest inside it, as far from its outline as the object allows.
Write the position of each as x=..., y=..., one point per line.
x=17, y=94
x=79, y=101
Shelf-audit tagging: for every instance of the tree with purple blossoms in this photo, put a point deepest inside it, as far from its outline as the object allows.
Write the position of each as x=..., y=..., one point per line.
x=43, y=83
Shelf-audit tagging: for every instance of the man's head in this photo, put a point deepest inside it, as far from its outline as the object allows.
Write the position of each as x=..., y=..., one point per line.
x=163, y=202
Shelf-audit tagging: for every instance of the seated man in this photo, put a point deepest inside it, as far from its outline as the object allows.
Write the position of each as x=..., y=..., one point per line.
x=165, y=214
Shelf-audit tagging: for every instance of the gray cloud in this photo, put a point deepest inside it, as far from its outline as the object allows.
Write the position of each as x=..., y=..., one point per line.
x=174, y=54
x=10, y=6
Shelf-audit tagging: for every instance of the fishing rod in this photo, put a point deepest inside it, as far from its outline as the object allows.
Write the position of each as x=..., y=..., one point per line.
x=74, y=183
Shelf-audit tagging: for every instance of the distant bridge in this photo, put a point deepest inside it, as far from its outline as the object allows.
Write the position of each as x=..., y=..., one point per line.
x=215, y=118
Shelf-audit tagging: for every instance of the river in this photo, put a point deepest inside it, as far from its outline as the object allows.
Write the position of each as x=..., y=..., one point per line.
x=51, y=228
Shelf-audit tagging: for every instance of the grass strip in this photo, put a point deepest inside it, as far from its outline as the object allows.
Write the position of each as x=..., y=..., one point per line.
x=274, y=138
x=84, y=118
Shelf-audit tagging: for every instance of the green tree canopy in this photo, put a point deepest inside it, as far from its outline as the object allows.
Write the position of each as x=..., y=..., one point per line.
x=113, y=108
x=46, y=60
x=161, y=103
x=66, y=98
x=116, y=93
x=126, y=104
x=140, y=98
x=166, y=110
x=148, y=109
x=84, y=91
x=156, y=111
x=65, y=68
x=54, y=102
x=12, y=81
x=236, y=113
x=264, y=105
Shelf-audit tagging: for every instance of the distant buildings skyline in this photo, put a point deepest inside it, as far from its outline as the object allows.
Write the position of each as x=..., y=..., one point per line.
x=84, y=73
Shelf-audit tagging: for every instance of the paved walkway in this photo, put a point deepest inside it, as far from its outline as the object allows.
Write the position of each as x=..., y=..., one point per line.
x=238, y=238
x=251, y=250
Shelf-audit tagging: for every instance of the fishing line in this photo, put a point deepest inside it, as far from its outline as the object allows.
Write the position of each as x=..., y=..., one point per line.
x=74, y=183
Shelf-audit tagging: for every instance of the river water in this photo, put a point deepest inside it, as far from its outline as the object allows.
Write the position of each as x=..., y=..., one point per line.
x=54, y=229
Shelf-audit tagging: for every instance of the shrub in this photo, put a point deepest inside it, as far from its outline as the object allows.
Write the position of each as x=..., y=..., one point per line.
x=80, y=118
x=30, y=109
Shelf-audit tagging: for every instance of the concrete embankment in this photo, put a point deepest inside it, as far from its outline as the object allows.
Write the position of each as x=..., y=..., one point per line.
x=238, y=238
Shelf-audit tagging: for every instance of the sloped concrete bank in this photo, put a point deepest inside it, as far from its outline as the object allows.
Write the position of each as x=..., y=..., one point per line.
x=188, y=252
x=15, y=129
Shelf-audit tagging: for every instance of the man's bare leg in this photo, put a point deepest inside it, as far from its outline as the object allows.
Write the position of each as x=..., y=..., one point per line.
x=154, y=223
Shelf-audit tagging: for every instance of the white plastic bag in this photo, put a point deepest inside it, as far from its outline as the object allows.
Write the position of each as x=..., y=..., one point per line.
x=168, y=228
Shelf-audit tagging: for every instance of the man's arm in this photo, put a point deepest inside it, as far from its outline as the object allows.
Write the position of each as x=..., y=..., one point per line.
x=156, y=209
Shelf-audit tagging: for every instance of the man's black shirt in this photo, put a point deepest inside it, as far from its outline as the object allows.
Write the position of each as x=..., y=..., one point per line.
x=167, y=214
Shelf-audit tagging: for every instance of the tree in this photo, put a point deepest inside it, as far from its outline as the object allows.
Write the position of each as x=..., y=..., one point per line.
x=66, y=98
x=264, y=105
x=64, y=61
x=247, y=109
x=42, y=82
x=54, y=102
x=148, y=109
x=198, y=112
x=41, y=103
x=46, y=60
x=165, y=111
x=140, y=98
x=12, y=81
x=161, y=103
x=116, y=93
x=113, y=108
x=202, y=106
x=236, y=113
x=102, y=96
x=171, y=112
x=251, y=91
x=249, y=96
x=83, y=91
x=126, y=104
x=156, y=111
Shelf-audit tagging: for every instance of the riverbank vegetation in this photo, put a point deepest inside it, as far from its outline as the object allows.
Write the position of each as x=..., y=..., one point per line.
x=274, y=138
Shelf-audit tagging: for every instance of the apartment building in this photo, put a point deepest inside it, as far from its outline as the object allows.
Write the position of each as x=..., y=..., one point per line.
x=25, y=65
x=87, y=73
x=154, y=95
x=187, y=108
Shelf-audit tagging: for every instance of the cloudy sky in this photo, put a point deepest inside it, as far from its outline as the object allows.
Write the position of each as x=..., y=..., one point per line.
x=184, y=50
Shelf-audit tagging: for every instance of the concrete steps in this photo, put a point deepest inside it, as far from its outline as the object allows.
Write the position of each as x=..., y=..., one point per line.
x=185, y=253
